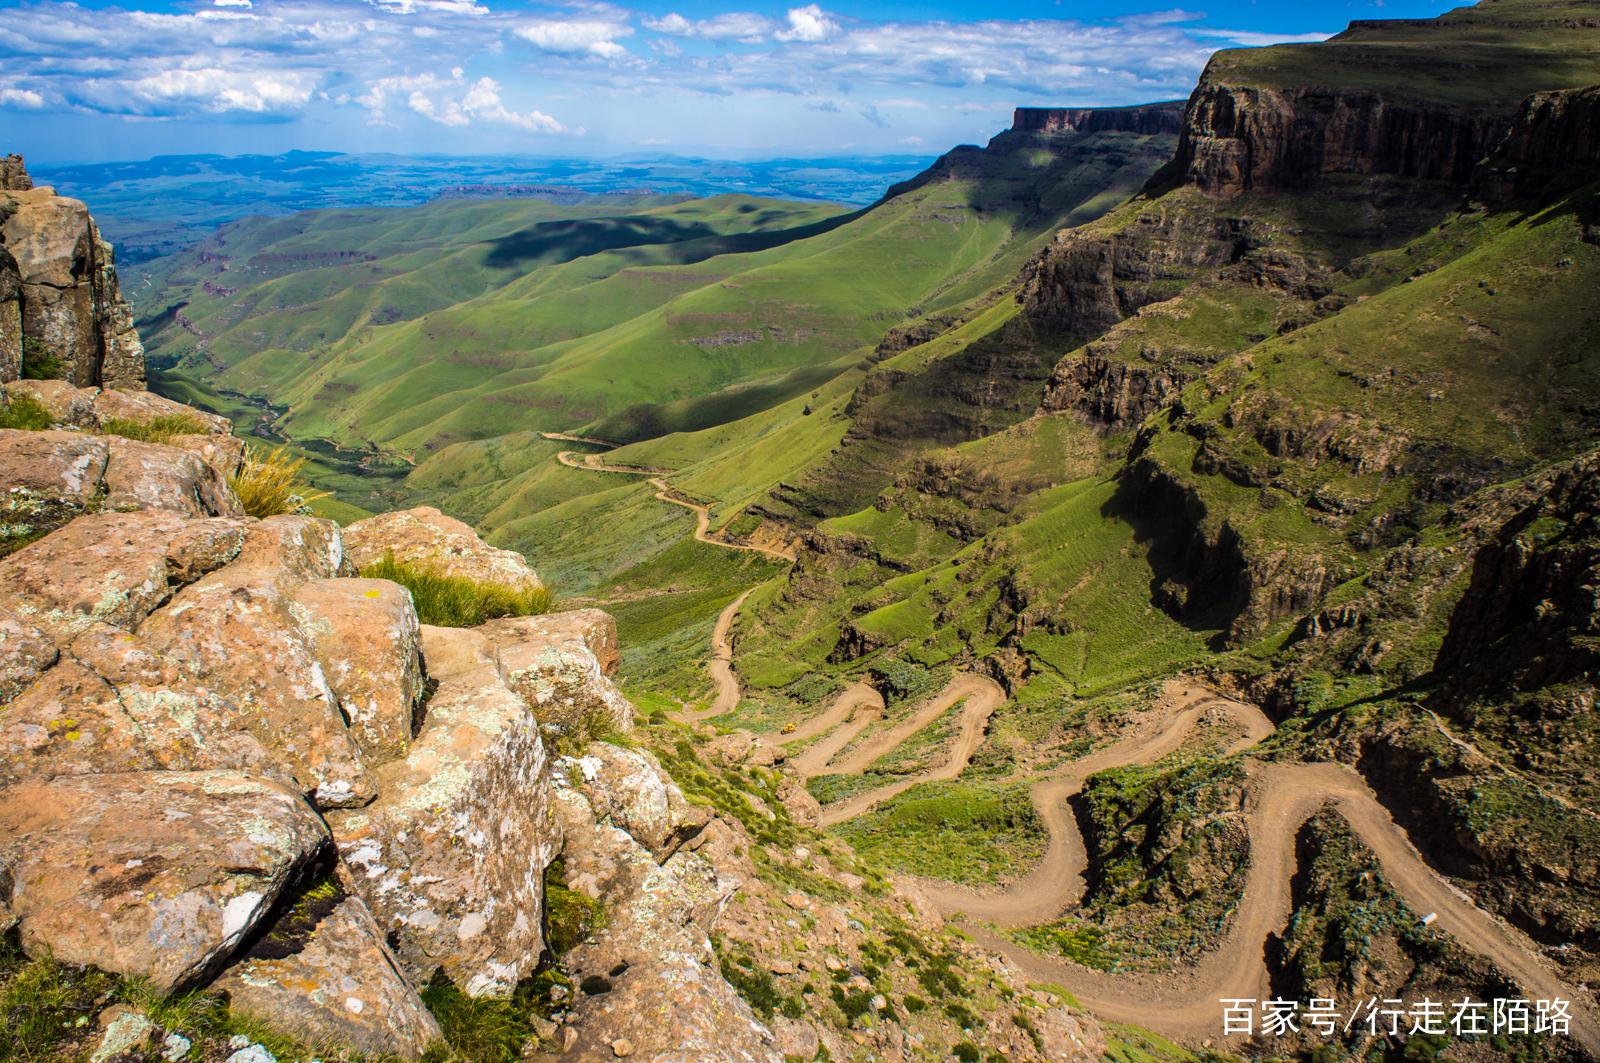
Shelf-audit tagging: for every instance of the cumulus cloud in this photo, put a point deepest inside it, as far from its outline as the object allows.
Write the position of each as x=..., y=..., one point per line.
x=809, y=23
x=583, y=36
x=23, y=99
x=451, y=101
x=262, y=60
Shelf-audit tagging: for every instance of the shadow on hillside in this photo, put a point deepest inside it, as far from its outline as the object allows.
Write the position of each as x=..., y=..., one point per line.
x=554, y=242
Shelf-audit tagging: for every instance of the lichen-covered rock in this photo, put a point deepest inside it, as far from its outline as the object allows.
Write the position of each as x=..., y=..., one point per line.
x=156, y=476
x=113, y=568
x=451, y=857
x=157, y=875
x=364, y=633
x=323, y=974
x=560, y=665
x=68, y=404
x=243, y=613
x=426, y=537
x=628, y=789
x=25, y=653
x=224, y=453
x=69, y=723
x=70, y=300
x=67, y=467
x=649, y=978
x=145, y=406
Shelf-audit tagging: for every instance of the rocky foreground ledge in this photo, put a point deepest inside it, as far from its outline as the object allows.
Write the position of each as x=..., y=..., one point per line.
x=227, y=760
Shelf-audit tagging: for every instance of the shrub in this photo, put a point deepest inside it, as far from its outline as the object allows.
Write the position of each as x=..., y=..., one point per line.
x=26, y=412
x=269, y=484
x=155, y=430
x=458, y=601
x=38, y=363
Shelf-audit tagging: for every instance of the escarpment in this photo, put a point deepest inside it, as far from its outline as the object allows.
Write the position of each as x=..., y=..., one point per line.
x=62, y=314
x=1149, y=119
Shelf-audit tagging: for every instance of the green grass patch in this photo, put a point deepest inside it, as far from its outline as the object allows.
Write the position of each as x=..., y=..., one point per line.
x=23, y=411
x=444, y=600
x=959, y=831
x=155, y=429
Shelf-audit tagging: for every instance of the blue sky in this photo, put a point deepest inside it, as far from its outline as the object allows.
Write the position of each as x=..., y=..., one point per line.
x=94, y=81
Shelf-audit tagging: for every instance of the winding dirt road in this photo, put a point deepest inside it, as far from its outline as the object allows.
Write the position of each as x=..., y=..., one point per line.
x=1186, y=1004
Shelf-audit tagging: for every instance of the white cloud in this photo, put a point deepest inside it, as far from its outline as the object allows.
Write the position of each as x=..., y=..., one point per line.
x=452, y=101
x=216, y=90
x=912, y=142
x=231, y=3
x=584, y=36
x=24, y=99
x=734, y=25
x=809, y=23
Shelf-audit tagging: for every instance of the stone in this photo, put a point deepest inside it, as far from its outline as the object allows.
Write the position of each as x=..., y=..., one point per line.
x=365, y=635
x=424, y=536
x=69, y=723
x=126, y=1030
x=451, y=857
x=560, y=664
x=243, y=612
x=69, y=405
x=174, y=1047
x=157, y=875
x=622, y=1047
x=25, y=653
x=252, y=1053
x=156, y=476
x=113, y=568
x=323, y=974
x=68, y=467
x=628, y=789
x=223, y=453
x=71, y=302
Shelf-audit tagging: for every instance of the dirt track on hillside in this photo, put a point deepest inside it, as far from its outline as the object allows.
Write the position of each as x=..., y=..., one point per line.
x=1186, y=1003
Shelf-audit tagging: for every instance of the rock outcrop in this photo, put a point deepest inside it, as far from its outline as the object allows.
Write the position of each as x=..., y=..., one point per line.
x=1149, y=119
x=1556, y=133
x=424, y=536
x=61, y=308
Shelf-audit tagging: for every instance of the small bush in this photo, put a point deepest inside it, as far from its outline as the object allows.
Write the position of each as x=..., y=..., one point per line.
x=38, y=363
x=457, y=601
x=45, y=1006
x=25, y=412
x=570, y=916
x=270, y=484
x=155, y=430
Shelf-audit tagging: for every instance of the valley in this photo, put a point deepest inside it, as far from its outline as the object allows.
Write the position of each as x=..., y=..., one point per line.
x=1149, y=560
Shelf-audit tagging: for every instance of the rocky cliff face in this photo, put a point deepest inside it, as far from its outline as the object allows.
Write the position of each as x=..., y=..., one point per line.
x=1250, y=138
x=1555, y=133
x=1148, y=119
x=61, y=308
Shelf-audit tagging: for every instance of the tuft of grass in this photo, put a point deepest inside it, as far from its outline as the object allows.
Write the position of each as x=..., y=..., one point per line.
x=38, y=363
x=24, y=411
x=155, y=430
x=444, y=600
x=486, y=1030
x=570, y=916
x=46, y=1007
x=271, y=483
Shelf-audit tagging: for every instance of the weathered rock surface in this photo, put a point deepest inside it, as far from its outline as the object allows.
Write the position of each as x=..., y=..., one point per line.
x=158, y=875
x=66, y=296
x=365, y=636
x=25, y=653
x=424, y=536
x=560, y=664
x=94, y=407
x=156, y=476
x=243, y=612
x=323, y=973
x=649, y=979
x=451, y=856
x=1555, y=133
x=628, y=789
x=65, y=467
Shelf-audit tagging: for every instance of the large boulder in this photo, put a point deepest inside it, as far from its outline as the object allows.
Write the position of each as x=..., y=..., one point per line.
x=71, y=302
x=322, y=973
x=364, y=633
x=560, y=664
x=66, y=467
x=157, y=476
x=157, y=875
x=426, y=537
x=244, y=613
x=451, y=856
